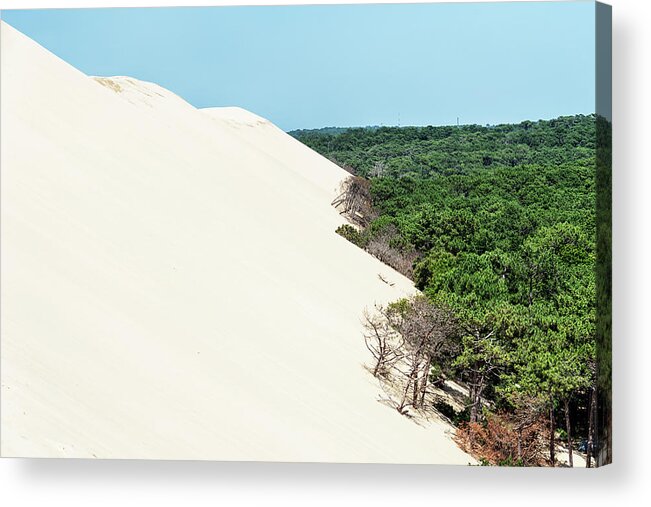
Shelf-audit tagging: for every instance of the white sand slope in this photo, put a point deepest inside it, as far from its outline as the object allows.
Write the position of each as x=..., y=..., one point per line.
x=172, y=285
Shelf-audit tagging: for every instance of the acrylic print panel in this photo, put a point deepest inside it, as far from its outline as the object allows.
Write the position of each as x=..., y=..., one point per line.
x=352, y=233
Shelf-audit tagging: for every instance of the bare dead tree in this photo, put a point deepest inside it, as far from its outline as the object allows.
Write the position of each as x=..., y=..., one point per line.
x=378, y=169
x=355, y=203
x=354, y=200
x=382, y=341
x=405, y=338
x=380, y=246
x=427, y=330
x=409, y=372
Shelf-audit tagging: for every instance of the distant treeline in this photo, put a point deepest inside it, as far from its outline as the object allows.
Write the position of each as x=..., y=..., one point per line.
x=318, y=132
x=496, y=225
x=424, y=151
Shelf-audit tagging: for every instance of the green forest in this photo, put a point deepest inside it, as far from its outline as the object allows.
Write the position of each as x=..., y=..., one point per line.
x=496, y=226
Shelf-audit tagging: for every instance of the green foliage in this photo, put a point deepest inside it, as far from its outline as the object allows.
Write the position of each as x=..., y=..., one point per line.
x=447, y=410
x=503, y=221
x=604, y=281
x=461, y=417
x=448, y=150
x=510, y=462
x=353, y=235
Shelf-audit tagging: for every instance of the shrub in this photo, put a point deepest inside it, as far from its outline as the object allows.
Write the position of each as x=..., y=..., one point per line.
x=458, y=418
x=353, y=235
x=444, y=408
x=499, y=441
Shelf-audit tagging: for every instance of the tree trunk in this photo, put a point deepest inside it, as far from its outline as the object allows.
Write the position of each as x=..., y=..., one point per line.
x=552, y=431
x=416, y=392
x=473, y=398
x=405, y=393
x=423, y=390
x=377, y=368
x=569, y=432
x=591, y=425
x=476, y=405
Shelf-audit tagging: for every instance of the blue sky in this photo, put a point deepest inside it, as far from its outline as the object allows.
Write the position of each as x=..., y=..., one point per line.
x=343, y=65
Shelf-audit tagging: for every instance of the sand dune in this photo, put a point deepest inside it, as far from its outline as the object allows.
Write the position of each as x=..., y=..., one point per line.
x=172, y=285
